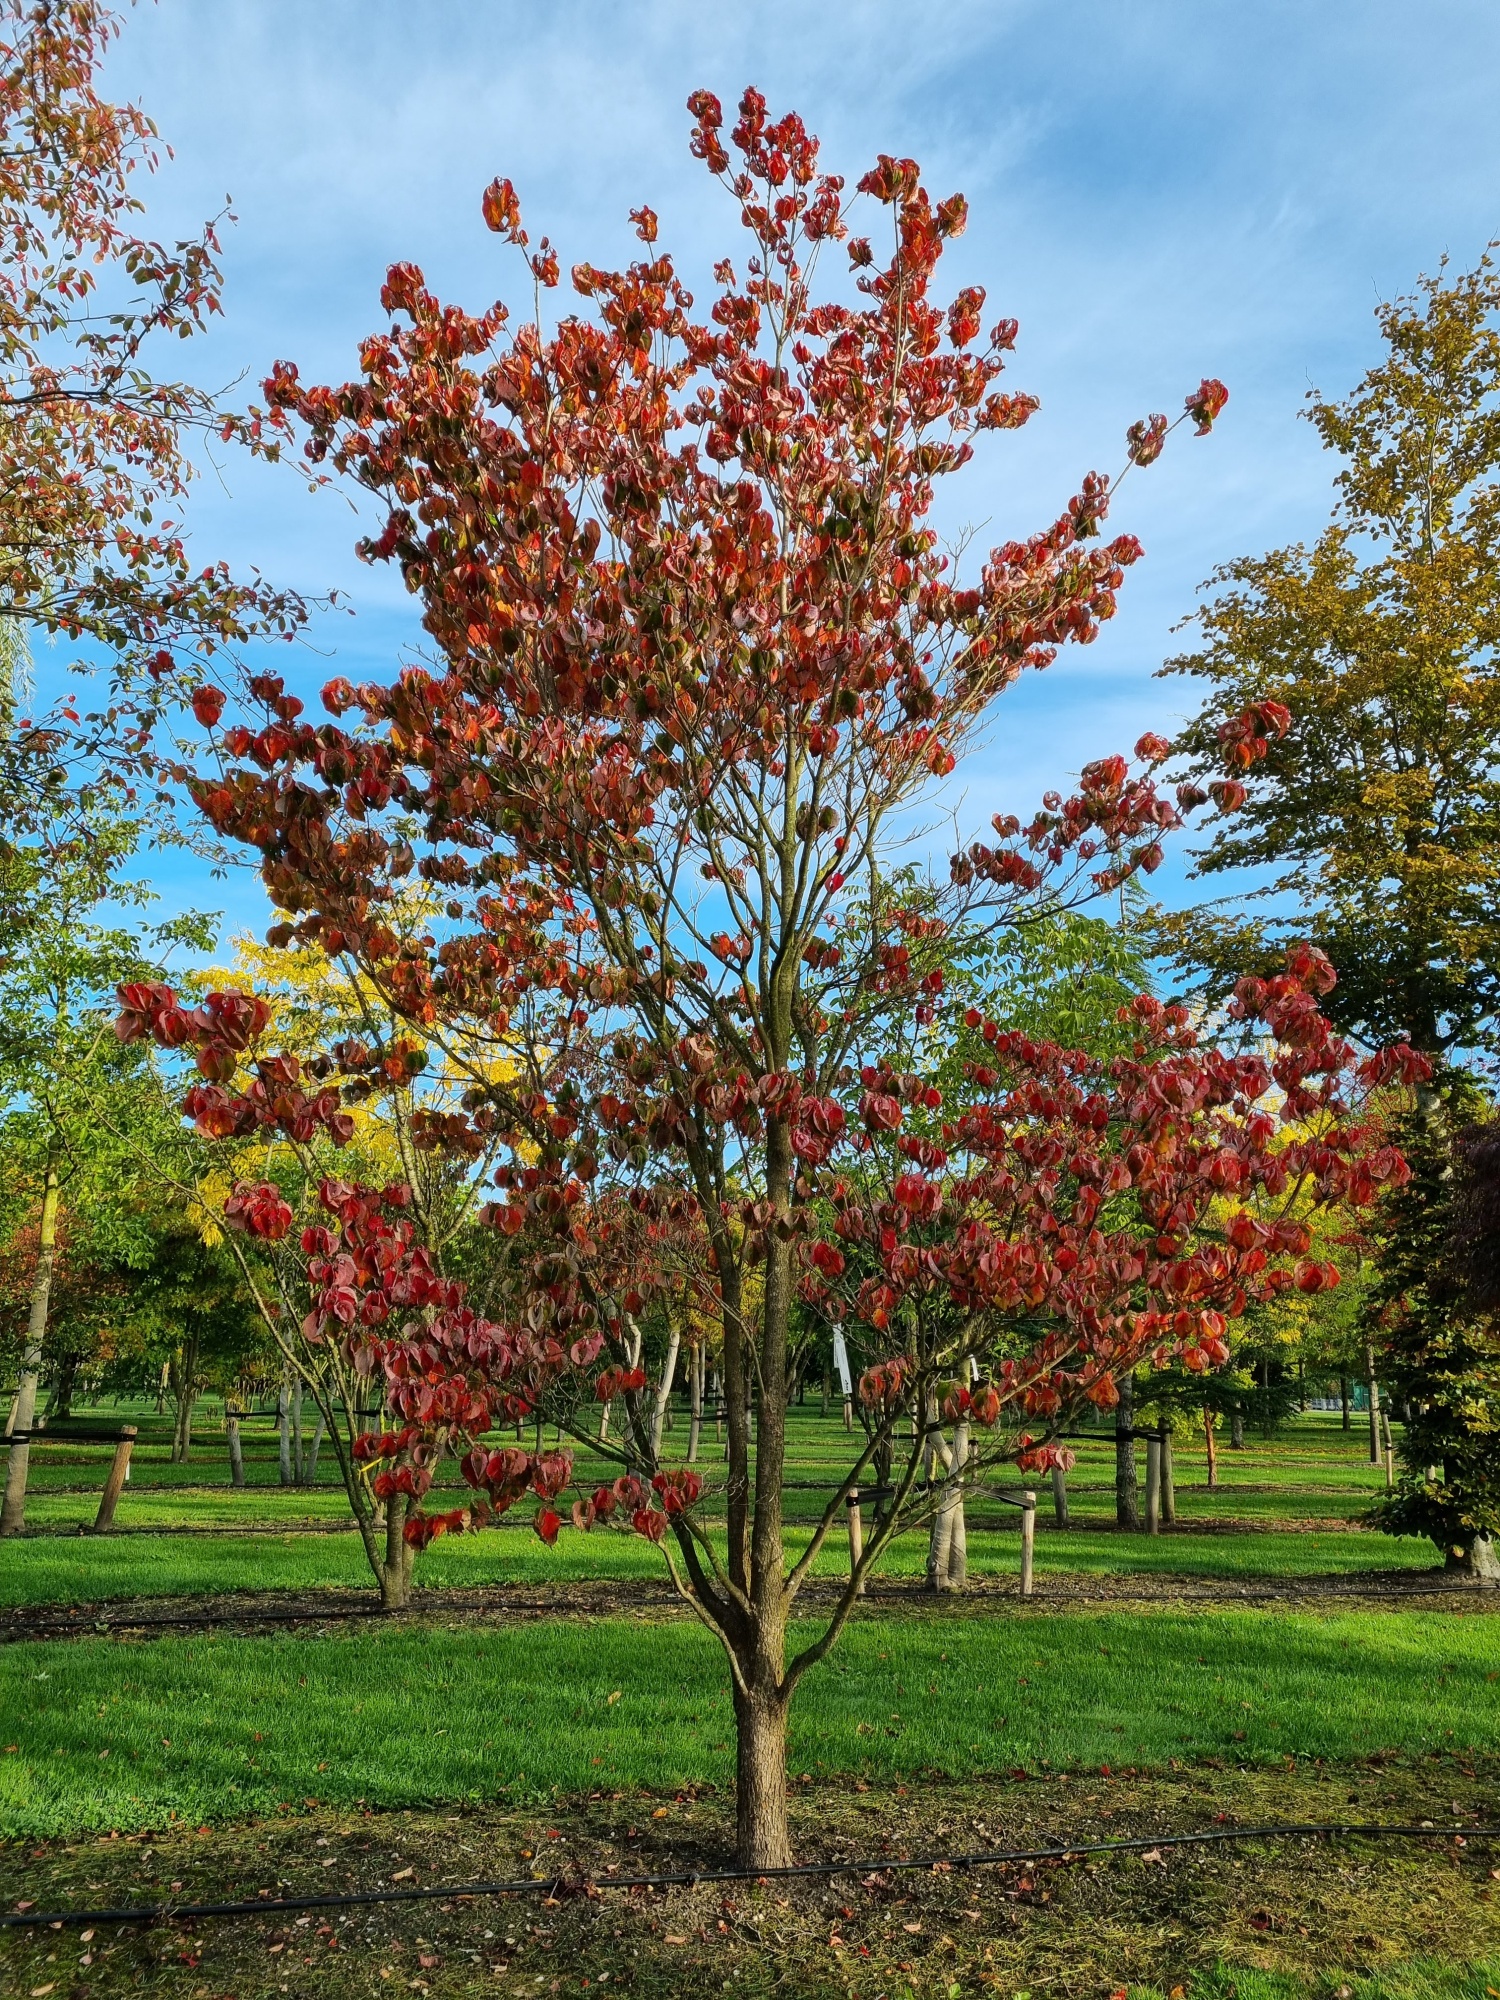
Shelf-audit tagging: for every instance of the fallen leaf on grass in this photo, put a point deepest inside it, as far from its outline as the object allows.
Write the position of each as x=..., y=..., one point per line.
x=672, y=1939
x=401, y=1874
x=913, y=1928
x=1153, y=1854
x=38, y=1991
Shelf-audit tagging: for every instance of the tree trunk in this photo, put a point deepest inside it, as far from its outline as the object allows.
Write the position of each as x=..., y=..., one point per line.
x=1479, y=1561
x=695, y=1393
x=948, y=1543
x=1211, y=1449
x=161, y=1388
x=184, y=1384
x=663, y=1392
x=395, y=1571
x=297, y=1431
x=23, y=1410
x=763, y=1838
x=1127, y=1487
x=60, y=1402
x=283, y=1431
x=1237, y=1428
x=1344, y=1399
x=1374, y=1388
x=310, y=1462
x=236, y=1454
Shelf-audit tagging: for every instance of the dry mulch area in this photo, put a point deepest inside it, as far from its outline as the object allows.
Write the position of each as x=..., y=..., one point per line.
x=1309, y=1907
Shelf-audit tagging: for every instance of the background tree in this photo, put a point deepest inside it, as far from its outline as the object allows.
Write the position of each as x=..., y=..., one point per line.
x=1374, y=821
x=97, y=452
x=1441, y=1345
x=699, y=656
x=60, y=1063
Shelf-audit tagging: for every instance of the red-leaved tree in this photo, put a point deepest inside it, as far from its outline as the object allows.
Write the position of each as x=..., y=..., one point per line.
x=700, y=653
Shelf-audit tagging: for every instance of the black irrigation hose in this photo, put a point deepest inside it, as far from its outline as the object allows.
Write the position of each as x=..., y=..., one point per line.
x=565, y=1885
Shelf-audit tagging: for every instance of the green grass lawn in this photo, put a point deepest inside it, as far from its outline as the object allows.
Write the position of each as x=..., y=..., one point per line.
x=108, y=1735
x=84, y=1569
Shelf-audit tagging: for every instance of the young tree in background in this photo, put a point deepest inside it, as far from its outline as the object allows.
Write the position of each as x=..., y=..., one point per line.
x=59, y=1060
x=699, y=656
x=1440, y=1345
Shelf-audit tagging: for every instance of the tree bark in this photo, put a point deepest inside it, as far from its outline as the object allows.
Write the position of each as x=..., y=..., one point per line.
x=1344, y=1399
x=184, y=1384
x=664, y=1391
x=948, y=1543
x=310, y=1460
x=1127, y=1487
x=1374, y=1389
x=1479, y=1560
x=236, y=1453
x=1237, y=1428
x=23, y=1410
x=395, y=1571
x=60, y=1401
x=1211, y=1448
x=283, y=1432
x=695, y=1395
x=763, y=1839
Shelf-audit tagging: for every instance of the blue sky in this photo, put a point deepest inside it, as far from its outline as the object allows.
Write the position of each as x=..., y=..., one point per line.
x=1157, y=192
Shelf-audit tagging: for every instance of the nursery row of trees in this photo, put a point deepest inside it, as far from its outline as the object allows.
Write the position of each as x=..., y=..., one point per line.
x=610, y=1015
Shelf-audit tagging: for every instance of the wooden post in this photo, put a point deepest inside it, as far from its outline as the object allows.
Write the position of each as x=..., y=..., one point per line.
x=1060, y=1495
x=1168, y=1482
x=1028, y=1540
x=114, y=1485
x=1153, y=1486
x=856, y=1538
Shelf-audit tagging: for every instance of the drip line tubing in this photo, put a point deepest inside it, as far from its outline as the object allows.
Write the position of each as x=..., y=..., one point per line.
x=560, y=1886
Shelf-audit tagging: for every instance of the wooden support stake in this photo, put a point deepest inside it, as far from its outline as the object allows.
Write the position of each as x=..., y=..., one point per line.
x=856, y=1538
x=1028, y=1540
x=109, y=1499
x=1060, y=1495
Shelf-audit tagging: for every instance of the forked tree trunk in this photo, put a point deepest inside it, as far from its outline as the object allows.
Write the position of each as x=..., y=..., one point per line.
x=184, y=1384
x=948, y=1545
x=23, y=1411
x=60, y=1401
